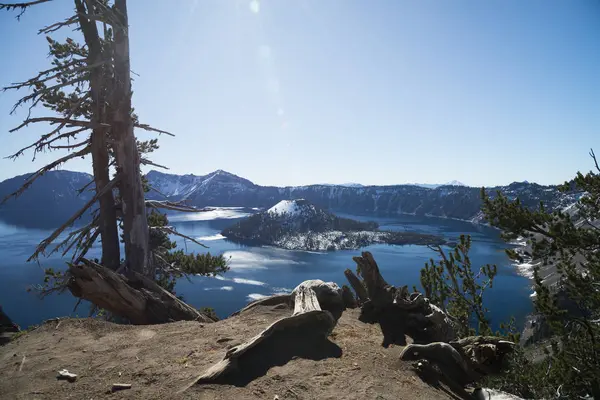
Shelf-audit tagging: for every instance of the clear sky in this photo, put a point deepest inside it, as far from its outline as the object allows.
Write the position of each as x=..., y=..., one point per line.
x=287, y=92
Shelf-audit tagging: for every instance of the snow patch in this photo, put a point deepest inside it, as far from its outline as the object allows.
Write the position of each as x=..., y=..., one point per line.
x=248, y=282
x=290, y=207
x=255, y=296
x=218, y=236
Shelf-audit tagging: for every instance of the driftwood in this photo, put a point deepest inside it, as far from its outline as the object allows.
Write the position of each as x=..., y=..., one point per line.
x=397, y=311
x=317, y=307
x=132, y=296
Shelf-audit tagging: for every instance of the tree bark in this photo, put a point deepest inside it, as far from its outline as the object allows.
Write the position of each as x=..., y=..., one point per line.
x=135, y=224
x=107, y=218
x=361, y=291
x=135, y=297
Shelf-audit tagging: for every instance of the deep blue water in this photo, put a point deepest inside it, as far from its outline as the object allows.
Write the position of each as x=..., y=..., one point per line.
x=257, y=271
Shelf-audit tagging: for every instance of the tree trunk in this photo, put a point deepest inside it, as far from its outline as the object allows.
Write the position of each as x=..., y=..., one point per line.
x=107, y=218
x=135, y=297
x=135, y=224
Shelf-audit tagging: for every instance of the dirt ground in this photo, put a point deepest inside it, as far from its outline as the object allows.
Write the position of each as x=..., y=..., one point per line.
x=159, y=361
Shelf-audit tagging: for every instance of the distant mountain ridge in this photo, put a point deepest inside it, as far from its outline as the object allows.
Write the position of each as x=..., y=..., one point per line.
x=221, y=188
x=52, y=199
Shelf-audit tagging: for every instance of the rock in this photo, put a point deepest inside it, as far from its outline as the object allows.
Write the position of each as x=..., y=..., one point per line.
x=120, y=386
x=63, y=374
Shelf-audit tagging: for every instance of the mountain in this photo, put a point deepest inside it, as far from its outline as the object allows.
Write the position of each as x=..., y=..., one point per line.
x=300, y=225
x=437, y=185
x=48, y=202
x=221, y=188
x=52, y=198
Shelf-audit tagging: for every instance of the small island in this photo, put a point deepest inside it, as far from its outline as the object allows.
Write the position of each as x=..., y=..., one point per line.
x=300, y=225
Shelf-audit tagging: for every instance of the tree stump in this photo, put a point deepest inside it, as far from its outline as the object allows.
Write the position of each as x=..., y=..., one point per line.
x=317, y=307
x=397, y=311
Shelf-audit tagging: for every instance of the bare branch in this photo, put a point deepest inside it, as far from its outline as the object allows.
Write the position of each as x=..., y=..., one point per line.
x=145, y=161
x=58, y=25
x=71, y=146
x=87, y=245
x=595, y=159
x=79, y=191
x=46, y=242
x=46, y=72
x=151, y=129
x=170, y=230
x=55, y=120
x=45, y=169
x=168, y=205
x=61, y=71
x=36, y=95
x=67, y=242
x=21, y=6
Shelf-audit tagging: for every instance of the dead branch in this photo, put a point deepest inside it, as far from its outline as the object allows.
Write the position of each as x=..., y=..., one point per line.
x=37, y=94
x=86, y=246
x=56, y=120
x=175, y=206
x=145, y=161
x=40, y=144
x=45, y=169
x=85, y=229
x=48, y=71
x=61, y=71
x=71, y=146
x=595, y=159
x=147, y=127
x=46, y=242
x=79, y=191
x=21, y=6
x=169, y=229
x=58, y=25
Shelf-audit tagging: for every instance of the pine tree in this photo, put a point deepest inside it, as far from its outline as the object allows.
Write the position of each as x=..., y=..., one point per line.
x=88, y=89
x=572, y=245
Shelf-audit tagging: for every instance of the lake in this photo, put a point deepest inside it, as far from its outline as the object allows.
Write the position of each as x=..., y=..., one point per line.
x=261, y=271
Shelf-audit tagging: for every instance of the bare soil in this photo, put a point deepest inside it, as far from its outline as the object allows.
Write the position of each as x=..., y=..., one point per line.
x=161, y=361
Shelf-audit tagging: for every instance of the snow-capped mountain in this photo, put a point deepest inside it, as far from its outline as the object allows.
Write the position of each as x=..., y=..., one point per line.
x=300, y=225
x=452, y=201
x=437, y=185
x=53, y=196
x=197, y=188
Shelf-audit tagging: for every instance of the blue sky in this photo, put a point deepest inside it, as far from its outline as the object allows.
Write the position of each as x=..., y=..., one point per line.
x=335, y=91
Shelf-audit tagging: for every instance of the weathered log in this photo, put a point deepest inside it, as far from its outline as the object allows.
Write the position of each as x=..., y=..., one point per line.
x=310, y=323
x=464, y=361
x=132, y=296
x=359, y=289
x=267, y=301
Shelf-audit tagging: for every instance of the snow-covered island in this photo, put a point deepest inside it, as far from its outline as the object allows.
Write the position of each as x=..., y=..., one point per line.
x=300, y=225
